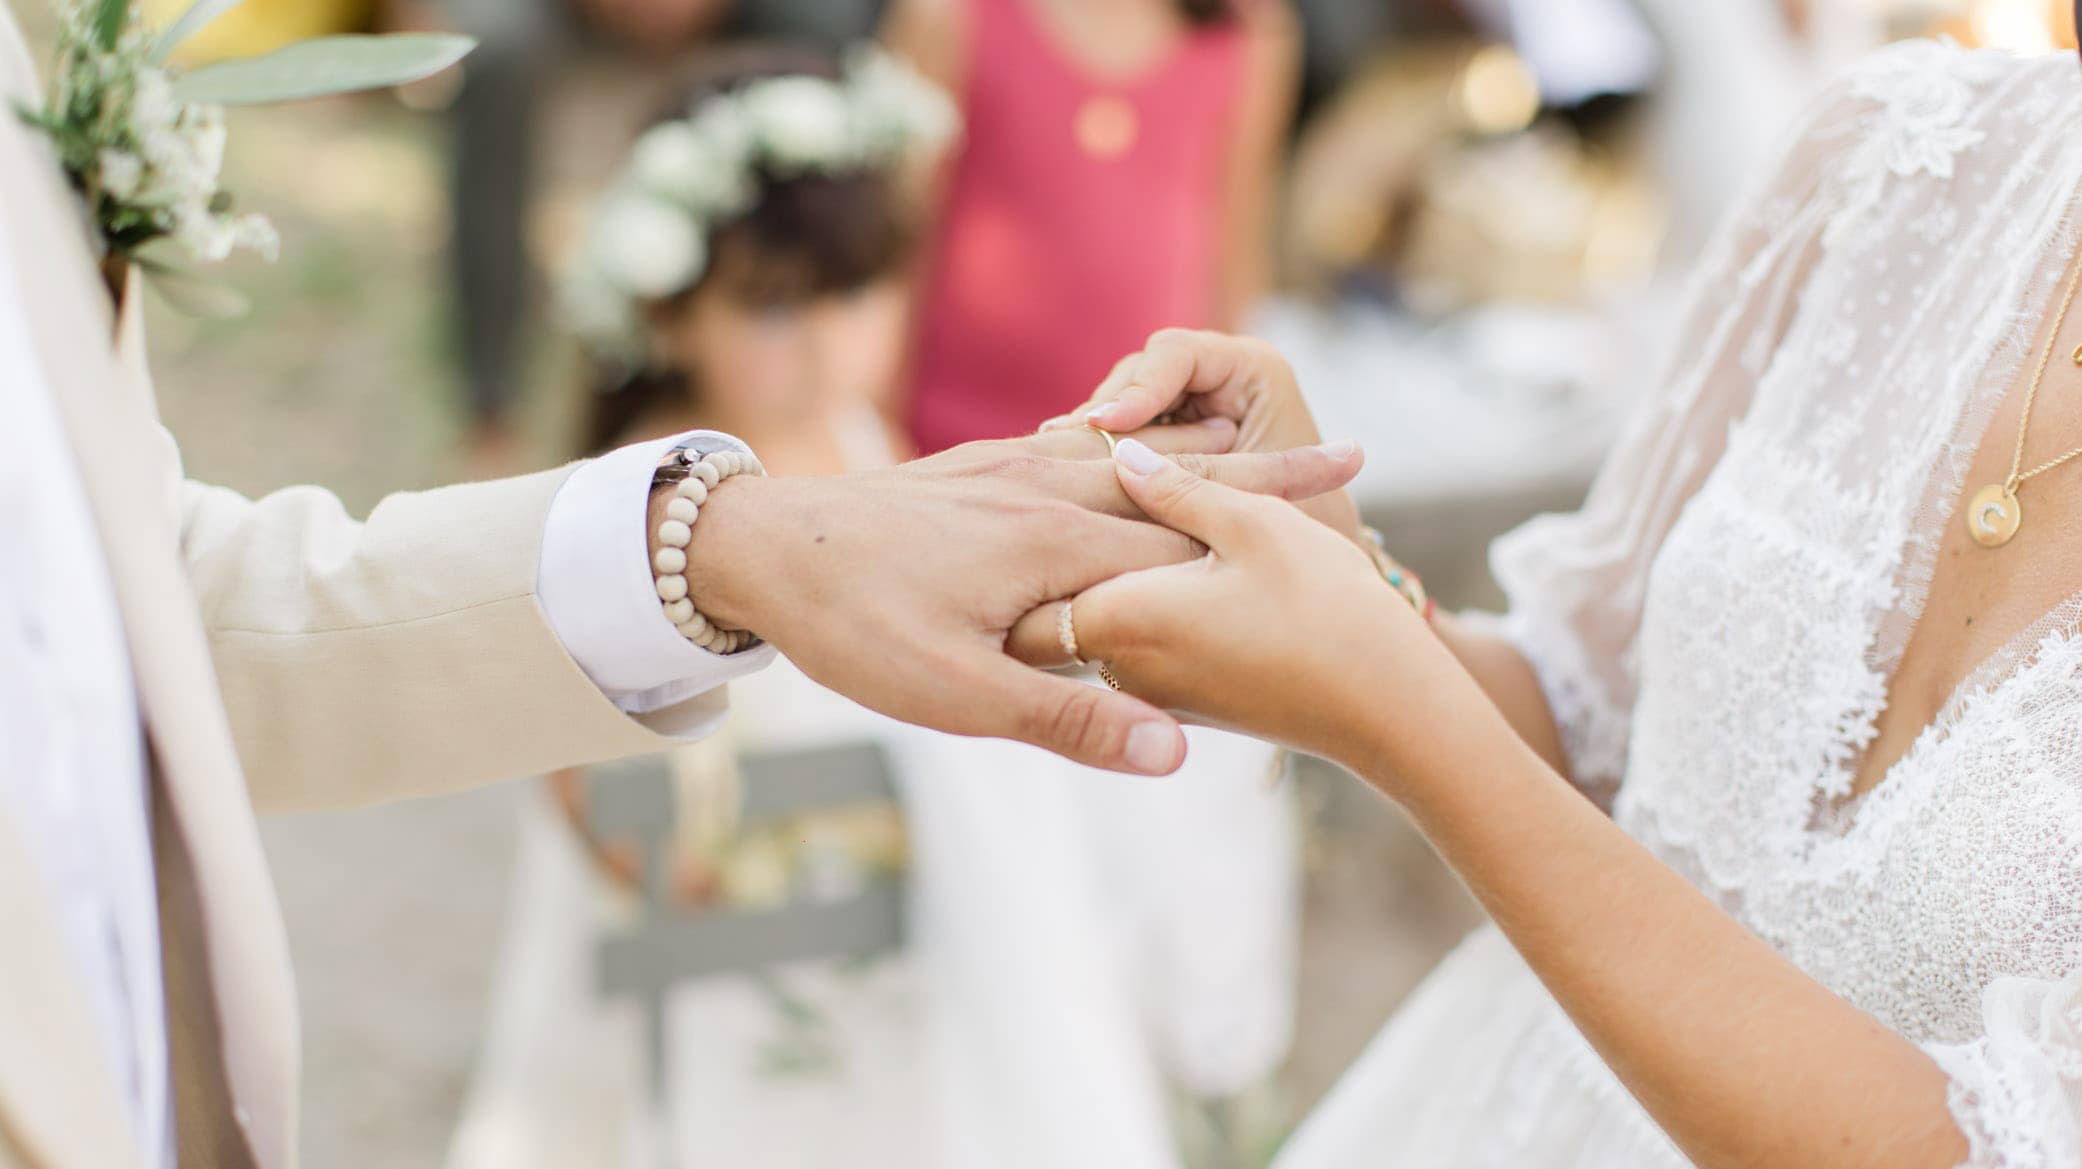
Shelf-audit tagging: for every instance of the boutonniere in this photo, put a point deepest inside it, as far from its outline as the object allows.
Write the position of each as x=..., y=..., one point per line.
x=143, y=142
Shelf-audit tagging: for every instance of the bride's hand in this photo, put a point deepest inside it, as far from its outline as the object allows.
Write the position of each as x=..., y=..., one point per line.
x=1280, y=631
x=1188, y=376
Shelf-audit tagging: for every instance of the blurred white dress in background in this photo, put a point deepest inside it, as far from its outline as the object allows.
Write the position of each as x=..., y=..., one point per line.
x=1084, y=946
x=1736, y=79
x=1716, y=630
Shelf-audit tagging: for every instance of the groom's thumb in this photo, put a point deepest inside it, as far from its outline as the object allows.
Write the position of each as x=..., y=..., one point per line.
x=1217, y=516
x=1081, y=722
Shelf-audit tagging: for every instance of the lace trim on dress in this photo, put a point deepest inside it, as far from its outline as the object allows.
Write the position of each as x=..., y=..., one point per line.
x=2014, y=1091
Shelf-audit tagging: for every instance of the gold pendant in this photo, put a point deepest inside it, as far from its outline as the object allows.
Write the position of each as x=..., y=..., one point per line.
x=1994, y=515
x=1107, y=127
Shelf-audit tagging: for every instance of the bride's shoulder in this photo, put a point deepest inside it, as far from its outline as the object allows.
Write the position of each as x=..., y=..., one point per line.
x=1938, y=82
x=1943, y=55
x=1926, y=111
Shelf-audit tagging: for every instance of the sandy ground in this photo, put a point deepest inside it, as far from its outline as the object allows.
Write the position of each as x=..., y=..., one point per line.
x=339, y=377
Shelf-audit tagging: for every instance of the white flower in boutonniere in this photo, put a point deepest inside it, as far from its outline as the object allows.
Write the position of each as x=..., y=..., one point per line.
x=144, y=144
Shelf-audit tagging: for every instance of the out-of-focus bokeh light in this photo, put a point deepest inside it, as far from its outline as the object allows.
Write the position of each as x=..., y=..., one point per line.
x=2013, y=24
x=2024, y=26
x=1499, y=92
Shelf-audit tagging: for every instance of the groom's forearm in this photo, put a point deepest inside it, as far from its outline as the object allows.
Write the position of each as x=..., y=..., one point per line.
x=401, y=656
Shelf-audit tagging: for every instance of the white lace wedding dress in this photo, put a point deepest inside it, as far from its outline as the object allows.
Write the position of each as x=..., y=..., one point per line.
x=1716, y=630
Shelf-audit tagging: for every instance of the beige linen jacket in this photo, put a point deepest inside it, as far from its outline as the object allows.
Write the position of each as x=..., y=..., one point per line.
x=286, y=657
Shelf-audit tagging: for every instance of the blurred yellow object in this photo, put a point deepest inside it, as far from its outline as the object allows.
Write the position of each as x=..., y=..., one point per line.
x=1498, y=91
x=261, y=26
x=1432, y=168
x=2026, y=26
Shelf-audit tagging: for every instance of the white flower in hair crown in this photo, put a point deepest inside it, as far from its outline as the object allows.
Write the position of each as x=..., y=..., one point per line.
x=144, y=143
x=649, y=236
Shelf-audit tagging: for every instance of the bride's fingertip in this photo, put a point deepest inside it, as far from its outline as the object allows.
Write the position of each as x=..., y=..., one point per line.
x=1139, y=459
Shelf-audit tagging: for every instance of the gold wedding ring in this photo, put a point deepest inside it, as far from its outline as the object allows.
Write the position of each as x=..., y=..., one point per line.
x=1106, y=676
x=1112, y=440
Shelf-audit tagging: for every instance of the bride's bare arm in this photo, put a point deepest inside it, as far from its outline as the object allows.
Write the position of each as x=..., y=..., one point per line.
x=1508, y=679
x=1288, y=632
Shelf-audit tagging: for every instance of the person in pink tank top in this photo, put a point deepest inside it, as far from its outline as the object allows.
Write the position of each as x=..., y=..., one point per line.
x=1115, y=179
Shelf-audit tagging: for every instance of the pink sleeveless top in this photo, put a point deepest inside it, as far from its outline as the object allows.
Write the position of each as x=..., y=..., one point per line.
x=1082, y=215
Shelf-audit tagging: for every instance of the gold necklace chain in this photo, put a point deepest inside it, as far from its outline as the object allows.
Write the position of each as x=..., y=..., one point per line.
x=2031, y=396
x=1994, y=515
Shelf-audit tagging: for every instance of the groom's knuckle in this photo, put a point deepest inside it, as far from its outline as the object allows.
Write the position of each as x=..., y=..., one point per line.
x=1073, y=722
x=1047, y=515
x=1009, y=463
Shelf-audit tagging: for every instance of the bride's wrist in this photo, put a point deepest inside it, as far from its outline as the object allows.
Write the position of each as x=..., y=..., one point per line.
x=1412, y=714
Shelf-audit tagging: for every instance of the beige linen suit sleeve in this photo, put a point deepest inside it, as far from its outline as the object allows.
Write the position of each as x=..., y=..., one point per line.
x=402, y=656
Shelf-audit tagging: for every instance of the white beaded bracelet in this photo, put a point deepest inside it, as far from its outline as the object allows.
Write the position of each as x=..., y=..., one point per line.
x=693, y=477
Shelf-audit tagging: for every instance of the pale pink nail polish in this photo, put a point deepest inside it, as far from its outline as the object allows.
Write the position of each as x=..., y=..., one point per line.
x=1138, y=458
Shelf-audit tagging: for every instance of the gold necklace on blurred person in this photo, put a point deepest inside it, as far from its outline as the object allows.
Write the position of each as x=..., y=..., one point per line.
x=1994, y=515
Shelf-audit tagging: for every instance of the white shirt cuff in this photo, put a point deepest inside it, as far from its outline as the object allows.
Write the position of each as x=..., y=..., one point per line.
x=596, y=588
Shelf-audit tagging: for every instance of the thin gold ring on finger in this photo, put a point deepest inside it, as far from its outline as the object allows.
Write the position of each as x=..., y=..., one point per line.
x=1106, y=675
x=1113, y=441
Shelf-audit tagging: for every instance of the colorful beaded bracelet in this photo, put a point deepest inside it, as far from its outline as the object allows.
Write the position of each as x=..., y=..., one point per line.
x=692, y=477
x=1406, y=583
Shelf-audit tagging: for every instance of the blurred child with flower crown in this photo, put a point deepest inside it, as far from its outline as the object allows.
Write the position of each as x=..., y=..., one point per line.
x=747, y=273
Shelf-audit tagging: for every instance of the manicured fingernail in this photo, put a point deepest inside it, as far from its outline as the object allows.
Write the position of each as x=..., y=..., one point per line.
x=1343, y=448
x=1216, y=423
x=1138, y=458
x=1099, y=413
x=1152, y=749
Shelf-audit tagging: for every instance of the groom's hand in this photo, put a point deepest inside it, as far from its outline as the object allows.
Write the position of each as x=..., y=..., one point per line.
x=897, y=588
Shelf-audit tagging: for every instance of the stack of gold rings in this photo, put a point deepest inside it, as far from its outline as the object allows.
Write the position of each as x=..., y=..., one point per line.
x=1066, y=634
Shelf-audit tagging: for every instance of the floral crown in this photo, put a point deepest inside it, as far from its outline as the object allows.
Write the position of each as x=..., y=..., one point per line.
x=649, y=235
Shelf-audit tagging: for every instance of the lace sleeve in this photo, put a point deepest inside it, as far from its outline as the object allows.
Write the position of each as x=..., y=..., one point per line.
x=1575, y=582
x=2017, y=1090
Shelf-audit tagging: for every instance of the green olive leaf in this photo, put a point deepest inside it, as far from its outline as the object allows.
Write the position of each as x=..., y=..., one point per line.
x=323, y=66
